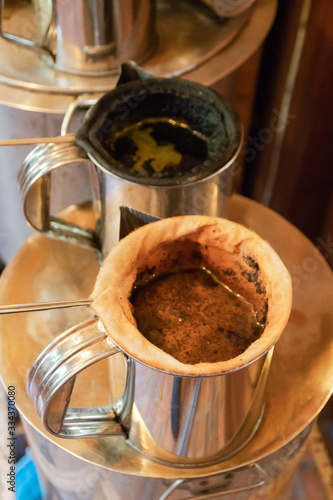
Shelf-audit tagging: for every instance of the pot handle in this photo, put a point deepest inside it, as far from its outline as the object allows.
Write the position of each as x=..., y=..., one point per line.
x=249, y=478
x=51, y=381
x=24, y=42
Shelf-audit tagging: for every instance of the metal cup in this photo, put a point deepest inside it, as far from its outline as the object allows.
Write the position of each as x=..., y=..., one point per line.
x=205, y=191
x=169, y=414
x=172, y=418
x=92, y=36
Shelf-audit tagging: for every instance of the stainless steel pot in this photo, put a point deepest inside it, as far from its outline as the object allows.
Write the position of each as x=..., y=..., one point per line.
x=90, y=37
x=298, y=386
x=66, y=477
x=184, y=414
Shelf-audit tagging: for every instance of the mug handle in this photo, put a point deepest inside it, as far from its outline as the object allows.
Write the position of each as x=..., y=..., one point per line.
x=35, y=187
x=51, y=381
x=23, y=42
x=35, y=182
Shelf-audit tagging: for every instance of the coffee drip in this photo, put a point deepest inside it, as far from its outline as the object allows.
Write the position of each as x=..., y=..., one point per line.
x=237, y=256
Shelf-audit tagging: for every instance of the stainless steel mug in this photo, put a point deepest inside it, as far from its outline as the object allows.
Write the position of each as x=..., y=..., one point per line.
x=204, y=189
x=174, y=412
x=90, y=37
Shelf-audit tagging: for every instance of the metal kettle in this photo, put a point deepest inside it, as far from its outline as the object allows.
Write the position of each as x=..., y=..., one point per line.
x=89, y=37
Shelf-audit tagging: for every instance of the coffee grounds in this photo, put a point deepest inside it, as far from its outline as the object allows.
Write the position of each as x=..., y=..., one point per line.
x=194, y=317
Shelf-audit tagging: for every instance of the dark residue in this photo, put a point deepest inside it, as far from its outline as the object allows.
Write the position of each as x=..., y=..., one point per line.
x=252, y=263
x=229, y=272
x=196, y=255
x=237, y=339
x=253, y=276
x=145, y=275
x=264, y=312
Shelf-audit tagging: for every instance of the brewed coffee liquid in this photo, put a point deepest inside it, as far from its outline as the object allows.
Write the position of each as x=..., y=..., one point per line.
x=195, y=318
x=158, y=147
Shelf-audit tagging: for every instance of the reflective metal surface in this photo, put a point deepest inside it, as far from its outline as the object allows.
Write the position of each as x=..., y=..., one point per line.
x=37, y=140
x=44, y=306
x=299, y=382
x=96, y=36
x=192, y=422
x=90, y=37
x=51, y=381
x=189, y=42
x=67, y=478
x=179, y=420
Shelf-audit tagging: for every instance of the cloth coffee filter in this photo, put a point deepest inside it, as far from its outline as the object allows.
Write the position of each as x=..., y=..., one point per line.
x=237, y=256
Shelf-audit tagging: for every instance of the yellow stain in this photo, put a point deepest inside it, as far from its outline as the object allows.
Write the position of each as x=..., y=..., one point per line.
x=159, y=156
